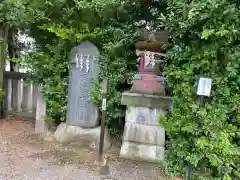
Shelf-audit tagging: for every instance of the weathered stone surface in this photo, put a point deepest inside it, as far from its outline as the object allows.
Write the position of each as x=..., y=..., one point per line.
x=8, y=97
x=144, y=138
x=83, y=71
x=142, y=152
x=154, y=135
x=143, y=115
x=34, y=100
x=41, y=126
x=17, y=94
x=146, y=100
x=27, y=98
x=40, y=123
x=88, y=138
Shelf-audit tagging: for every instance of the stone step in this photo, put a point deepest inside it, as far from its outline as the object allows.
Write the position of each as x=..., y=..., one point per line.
x=142, y=152
x=147, y=134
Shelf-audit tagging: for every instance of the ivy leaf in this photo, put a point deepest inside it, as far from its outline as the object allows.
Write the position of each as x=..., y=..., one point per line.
x=206, y=33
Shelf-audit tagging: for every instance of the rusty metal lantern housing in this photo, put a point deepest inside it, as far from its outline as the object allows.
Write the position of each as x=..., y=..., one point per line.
x=150, y=53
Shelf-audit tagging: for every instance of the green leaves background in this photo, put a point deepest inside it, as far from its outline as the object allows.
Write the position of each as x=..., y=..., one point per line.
x=204, y=42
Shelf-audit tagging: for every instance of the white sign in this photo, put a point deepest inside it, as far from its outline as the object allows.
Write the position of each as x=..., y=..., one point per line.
x=204, y=86
x=104, y=104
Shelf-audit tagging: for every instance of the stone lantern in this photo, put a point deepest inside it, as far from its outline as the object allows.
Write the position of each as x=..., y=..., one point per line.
x=144, y=137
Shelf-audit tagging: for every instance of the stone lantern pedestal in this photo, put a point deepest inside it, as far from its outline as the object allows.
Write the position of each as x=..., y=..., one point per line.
x=144, y=138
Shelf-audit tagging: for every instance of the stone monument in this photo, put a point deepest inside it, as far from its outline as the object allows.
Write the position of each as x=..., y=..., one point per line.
x=82, y=115
x=83, y=71
x=144, y=138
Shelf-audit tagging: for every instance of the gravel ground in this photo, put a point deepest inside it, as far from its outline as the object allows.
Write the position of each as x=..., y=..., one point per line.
x=25, y=156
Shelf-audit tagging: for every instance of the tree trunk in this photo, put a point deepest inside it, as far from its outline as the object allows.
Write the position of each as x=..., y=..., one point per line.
x=3, y=47
x=12, y=47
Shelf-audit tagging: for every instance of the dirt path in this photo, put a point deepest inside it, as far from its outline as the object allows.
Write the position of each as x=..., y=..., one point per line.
x=25, y=156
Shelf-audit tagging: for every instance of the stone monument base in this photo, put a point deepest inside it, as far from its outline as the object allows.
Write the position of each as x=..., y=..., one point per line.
x=144, y=137
x=86, y=138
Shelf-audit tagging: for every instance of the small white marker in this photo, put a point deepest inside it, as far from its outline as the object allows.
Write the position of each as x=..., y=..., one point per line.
x=204, y=86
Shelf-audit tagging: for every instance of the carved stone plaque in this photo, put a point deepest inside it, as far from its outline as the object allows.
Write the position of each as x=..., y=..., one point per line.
x=83, y=71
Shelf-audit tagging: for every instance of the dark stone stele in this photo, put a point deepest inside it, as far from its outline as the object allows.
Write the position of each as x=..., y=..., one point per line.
x=83, y=72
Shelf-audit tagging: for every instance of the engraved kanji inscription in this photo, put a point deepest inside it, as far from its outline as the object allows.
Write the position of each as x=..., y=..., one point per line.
x=84, y=71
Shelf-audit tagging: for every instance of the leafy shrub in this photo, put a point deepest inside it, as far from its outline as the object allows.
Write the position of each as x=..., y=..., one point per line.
x=117, y=63
x=50, y=69
x=204, y=42
x=112, y=26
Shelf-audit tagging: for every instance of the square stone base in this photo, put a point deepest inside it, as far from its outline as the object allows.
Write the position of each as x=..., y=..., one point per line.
x=41, y=126
x=146, y=134
x=142, y=152
x=144, y=137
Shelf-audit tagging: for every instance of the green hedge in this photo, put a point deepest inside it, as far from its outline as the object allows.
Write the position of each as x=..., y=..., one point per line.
x=205, y=41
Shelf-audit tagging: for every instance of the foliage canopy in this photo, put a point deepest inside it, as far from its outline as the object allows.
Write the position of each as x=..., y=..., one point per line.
x=204, y=41
x=112, y=25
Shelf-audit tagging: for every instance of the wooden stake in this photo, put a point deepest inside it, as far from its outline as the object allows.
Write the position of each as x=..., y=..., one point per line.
x=103, y=118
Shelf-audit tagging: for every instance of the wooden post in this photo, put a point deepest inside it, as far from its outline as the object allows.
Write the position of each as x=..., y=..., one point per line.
x=104, y=107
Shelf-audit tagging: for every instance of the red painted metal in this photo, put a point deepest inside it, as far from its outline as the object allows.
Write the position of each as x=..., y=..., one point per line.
x=147, y=81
